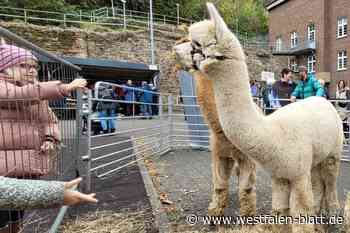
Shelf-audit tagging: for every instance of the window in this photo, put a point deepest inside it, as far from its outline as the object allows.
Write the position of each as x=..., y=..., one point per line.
x=342, y=60
x=293, y=39
x=311, y=31
x=342, y=27
x=293, y=65
x=278, y=44
x=311, y=64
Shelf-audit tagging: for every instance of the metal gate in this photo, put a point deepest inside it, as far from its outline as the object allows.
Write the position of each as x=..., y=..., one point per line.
x=26, y=110
x=114, y=140
x=194, y=122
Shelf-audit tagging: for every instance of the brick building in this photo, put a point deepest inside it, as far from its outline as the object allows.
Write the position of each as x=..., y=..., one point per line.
x=313, y=33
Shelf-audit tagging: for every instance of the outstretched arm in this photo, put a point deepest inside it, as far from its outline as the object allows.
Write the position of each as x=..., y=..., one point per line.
x=36, y=194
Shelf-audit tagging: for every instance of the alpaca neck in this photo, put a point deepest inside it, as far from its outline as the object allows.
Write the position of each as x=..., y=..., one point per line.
x=240, y=119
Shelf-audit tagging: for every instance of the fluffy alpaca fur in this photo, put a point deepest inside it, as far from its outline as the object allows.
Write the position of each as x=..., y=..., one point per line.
x=297, y=142
x=225, y=156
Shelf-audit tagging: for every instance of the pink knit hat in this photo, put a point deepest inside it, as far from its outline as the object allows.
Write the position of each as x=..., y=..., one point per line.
x=11, y=55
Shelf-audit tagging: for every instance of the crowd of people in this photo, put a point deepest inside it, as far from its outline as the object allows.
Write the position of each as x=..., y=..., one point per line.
x=128, y=100
x=285, y=90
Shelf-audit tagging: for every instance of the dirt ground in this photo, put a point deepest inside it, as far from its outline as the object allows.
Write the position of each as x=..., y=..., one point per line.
x=183, y=180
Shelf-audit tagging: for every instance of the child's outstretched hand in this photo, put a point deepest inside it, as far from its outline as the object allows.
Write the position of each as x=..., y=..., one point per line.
x=78, y=83
x=47, y=147
x=72, y=197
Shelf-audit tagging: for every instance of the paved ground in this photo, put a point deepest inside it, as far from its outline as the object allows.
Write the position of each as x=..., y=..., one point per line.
x=186, y=176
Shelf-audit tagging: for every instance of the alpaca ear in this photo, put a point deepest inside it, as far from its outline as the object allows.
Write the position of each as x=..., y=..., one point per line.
x=220, y=25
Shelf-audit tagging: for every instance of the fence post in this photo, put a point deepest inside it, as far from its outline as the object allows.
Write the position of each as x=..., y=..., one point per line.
x=161, y=118
x=25, y=16
x=148, y=23
x=88, y=156
x=124, y=15
x=64, y=20
x=80, y=15
x=164, y=20
x=178, y=13
x=170, y=119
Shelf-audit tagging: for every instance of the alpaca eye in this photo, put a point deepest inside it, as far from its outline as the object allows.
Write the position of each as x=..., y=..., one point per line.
x=211, y=43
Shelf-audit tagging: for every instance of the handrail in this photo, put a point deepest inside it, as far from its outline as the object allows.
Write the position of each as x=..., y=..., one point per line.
x=93, y=15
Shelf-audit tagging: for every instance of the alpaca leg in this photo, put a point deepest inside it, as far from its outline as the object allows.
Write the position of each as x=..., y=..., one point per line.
x=221, y=172
x=318, y=190
x=247, y=190
x=301, y=202
x=280, y=202
x=329, y=171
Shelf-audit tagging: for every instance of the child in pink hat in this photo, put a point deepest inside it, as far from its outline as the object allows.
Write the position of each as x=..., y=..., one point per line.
x=28, y=127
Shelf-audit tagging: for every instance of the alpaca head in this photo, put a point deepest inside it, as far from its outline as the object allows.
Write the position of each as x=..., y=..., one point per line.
x=182, y=52
x=210, y=44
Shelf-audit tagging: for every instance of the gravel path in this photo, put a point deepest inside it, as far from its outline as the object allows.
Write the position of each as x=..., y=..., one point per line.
x=185, y=175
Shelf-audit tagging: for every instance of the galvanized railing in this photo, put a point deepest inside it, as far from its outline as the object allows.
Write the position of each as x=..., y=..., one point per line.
x=128, y=19
x=140, y=15
x=176, y=125
x=64, y=164
x=116, y=141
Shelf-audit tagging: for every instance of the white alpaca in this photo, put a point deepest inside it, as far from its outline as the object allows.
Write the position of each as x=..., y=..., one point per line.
x=297, y=142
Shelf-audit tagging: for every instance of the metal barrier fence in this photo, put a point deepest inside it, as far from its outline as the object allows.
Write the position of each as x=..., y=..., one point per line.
x=35, y=116
x=176, y=124
x=104, y=16
x=165, y=19
x=116, y=141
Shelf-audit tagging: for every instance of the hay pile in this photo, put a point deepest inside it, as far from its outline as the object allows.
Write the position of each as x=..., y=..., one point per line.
x=107, y=222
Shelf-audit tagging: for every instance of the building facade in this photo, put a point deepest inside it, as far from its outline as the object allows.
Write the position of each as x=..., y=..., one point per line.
x=312, y=33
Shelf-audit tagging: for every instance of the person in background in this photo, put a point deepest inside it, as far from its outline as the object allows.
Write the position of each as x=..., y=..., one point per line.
x=146, y=98
x=269, y=98
x=119, y=94
x=130, y=96
x=258, y=84
x=307, y=86
x=283, y=88
x=323, y=83
x=107, y=108
x=343, y=107
x=30, y=136
x=254, y=88
x=154, y=100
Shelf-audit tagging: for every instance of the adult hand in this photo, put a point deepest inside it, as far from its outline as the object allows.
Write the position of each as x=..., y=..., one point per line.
x=78, y=83
x=293, y=99
x=72, y=197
